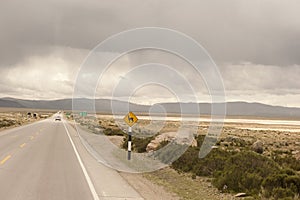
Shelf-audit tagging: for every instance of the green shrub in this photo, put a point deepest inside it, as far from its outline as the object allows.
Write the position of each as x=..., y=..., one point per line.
x=282, y=193
x=200, y=139
x=111, y=132
x=288, y=171
x=190, y=161
x=293, y=182
x=170, y=153
x=7, y=123
x=187, y=161
x=212, y=163
x=245, y=172
x=138, y=144
x=287, y=161
x=281, y=185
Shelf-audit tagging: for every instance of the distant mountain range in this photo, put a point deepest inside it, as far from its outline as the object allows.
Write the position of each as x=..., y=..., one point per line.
x=104, y=106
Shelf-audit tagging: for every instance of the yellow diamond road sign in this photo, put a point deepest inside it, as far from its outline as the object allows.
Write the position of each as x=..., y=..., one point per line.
x=130, y=119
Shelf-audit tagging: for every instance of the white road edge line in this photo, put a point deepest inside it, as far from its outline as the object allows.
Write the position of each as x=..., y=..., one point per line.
x=87, y=177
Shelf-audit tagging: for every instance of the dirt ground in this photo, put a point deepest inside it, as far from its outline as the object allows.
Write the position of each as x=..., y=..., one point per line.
x=167, y=184
x=147, y=188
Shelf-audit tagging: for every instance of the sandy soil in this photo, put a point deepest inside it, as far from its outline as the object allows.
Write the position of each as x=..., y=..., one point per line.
x=116, y=140
x=148, y=189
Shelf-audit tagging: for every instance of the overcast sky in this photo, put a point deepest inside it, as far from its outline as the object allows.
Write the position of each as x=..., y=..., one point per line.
x=255, y=44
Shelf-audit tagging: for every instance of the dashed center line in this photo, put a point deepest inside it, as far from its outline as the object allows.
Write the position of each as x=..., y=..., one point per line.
x=22, y=145
x=5, y=159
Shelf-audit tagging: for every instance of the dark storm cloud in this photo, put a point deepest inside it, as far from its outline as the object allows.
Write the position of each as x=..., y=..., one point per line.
x=34, y=27
x=263, y=32
x=57, y=34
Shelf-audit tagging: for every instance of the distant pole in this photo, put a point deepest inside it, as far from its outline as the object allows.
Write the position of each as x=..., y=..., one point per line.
x=129, y=142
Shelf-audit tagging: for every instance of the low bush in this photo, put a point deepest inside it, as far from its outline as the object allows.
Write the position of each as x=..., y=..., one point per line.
x=7, y=123
x=170, y=153
x=287, y=161
x=111, y=132
x=138, y=144
x=244, y=171
x=190, y=161
x=281, y=186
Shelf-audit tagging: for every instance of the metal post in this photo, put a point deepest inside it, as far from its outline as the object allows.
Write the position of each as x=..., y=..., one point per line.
x=129, y=142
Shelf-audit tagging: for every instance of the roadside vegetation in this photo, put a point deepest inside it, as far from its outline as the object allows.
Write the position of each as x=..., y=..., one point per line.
x=233, y=166
x=113, y=132
x=244, y=172
x=139, y=144
x=7, y=123
x=18, y=118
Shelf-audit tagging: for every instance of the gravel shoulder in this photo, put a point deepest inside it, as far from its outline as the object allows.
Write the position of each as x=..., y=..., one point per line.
x=147, y=188
x=168, y=184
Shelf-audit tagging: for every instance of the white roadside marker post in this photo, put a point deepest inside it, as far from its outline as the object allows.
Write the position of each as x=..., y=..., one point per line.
x=130, y=119
x=129, y=142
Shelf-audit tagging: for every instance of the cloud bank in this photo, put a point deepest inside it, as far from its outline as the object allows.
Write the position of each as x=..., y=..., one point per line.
x=256, y=45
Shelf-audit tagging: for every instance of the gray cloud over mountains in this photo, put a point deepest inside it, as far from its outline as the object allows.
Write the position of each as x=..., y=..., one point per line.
x=255, y=43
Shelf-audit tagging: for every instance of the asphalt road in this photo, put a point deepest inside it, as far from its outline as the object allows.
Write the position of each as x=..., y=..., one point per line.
x=46, y=161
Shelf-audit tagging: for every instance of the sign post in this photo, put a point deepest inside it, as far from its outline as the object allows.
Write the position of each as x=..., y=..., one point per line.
x=83, y=114
x=130, y=119
x=129, y=142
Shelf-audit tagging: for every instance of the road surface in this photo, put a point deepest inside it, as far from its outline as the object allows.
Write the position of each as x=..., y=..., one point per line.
x=46, y=161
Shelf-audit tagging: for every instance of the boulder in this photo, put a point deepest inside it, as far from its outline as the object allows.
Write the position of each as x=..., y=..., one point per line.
x=169, y=136
x=258, y=147
x=295, y=152
x=152, y=146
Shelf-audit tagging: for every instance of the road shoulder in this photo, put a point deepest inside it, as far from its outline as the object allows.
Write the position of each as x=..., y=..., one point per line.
x=107, y=182
x=148, y=189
